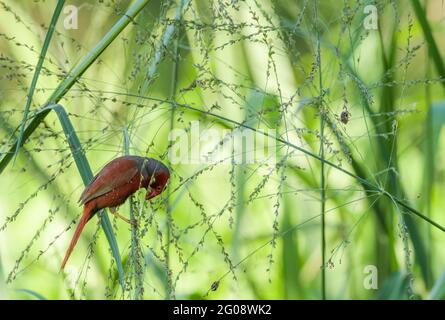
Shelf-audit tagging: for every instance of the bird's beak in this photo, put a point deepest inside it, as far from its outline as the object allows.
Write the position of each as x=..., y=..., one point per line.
x=150, y=195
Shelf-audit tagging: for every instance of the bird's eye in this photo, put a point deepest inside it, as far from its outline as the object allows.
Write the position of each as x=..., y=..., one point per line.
x=158, y=188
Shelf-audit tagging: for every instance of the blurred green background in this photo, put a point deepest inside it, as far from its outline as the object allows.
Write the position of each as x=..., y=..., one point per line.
x=368, y=100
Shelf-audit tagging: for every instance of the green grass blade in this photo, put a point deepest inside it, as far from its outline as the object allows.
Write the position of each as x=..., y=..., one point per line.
x=87, y=175
x=433, y=127
x=240, y=180
x=438, y=290
x=390, y=159
x=394, y=287
x=162, y=45
x=36, y=295
x=432, y=46
x=2, y=281
x=420, y=248
x=32, y=88
x=434, y=124
x=73, y=75
x=255, y=100
x=290, y=253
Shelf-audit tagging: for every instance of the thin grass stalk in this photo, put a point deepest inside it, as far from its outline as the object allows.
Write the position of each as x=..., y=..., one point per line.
x=138, y=271
x=87, y=175
x=35, y=77
x=419, y=247
x=71, y=78
x=173, y=88
x=429, y=164
x=322, y=164
x=368, y=186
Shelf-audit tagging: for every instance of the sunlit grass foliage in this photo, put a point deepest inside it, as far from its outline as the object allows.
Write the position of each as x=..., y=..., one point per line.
x=347, y=206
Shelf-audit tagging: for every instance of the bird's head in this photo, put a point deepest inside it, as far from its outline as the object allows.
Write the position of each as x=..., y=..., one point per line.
x=158, y=175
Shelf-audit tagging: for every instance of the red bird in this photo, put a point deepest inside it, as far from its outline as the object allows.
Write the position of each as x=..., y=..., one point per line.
x=118, y=180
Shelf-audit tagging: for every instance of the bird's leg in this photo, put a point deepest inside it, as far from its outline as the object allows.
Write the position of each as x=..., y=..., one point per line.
x=116, y=214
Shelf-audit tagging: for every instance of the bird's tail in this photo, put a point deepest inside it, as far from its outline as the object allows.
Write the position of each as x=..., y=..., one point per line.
x=88, y=211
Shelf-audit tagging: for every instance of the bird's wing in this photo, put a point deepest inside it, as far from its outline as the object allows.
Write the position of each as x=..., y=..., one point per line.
x=115, y=174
